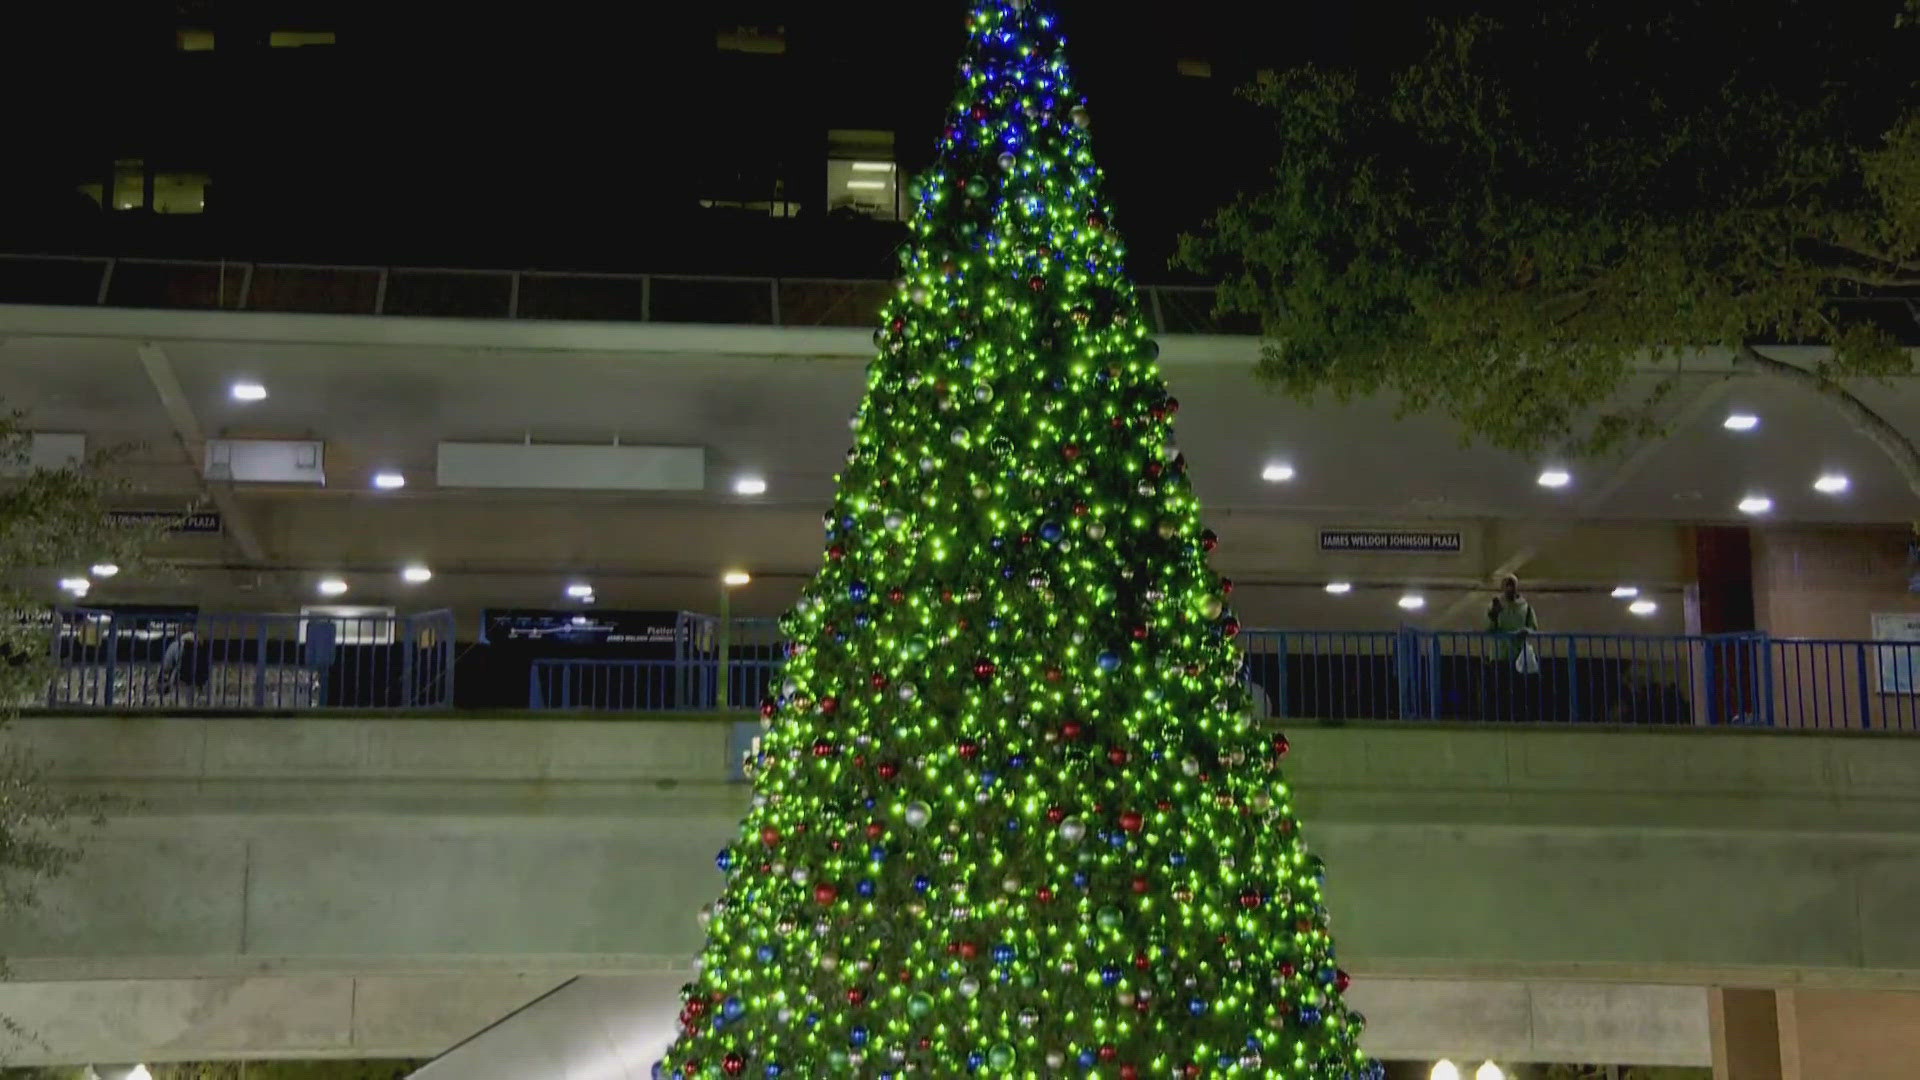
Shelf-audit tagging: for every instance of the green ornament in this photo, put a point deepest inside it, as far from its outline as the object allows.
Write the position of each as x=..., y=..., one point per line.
x=1000, y=1056
x=919, y=1005
x=1110, y=918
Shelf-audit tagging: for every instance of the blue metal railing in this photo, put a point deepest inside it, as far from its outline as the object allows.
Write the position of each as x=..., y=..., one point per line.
x=647, y=685
x=250, y=662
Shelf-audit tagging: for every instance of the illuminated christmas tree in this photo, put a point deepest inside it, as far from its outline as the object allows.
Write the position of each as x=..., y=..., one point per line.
x=1012, y=816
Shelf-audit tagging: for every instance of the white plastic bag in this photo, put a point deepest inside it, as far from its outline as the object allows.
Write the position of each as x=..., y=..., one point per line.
x=1528, y=662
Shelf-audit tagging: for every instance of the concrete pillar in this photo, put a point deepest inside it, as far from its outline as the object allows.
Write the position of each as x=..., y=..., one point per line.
x=1814, y=1034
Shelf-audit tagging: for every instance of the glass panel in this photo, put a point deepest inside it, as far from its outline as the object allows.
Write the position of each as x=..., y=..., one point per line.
x=833, y=303
x=129, y=184
x=446, y=292
x=321, y=290
x=179, y=192
x=696, y=301
x=175, y=285
x=545, y=296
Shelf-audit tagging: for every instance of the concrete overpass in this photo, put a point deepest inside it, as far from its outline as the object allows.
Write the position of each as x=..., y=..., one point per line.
x=371, y=887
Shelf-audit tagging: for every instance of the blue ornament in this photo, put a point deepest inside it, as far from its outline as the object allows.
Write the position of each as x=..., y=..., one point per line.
x=1110, y=974
x=858, y=590
x=1080, y=878
x=975, y=1060
x=1197, y=1006
x=1017, y=761
x=773, y=1069
x=1309, y=1015
x=734, y=1008
x=1327, y=975
x=877, y=853
x=1013, y=824
x=724, y=860
x=998, y=543
x=865, y=888
x=921, y=884
x=858, y=1036
x=1051, y=531
x=1178, y=858
x=1109, y=661
x=1087, y=1059
x=766, y=953
x=1003, y=953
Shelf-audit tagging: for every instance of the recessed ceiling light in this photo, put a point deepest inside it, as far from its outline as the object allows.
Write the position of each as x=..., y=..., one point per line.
x=736, y=578
x=1339, y=588
x=1832, y=484
x=873, y=166
x=105, y=569
x=389, y=481
x=1555, y=478
x=1625, y=592
x=866, y=185
x=1412, y=602
x=417, y=575
x=78, y=586
x=1741, y=422
x=1643, y=608
x=332, y=586
x=248, y=391
x=580, y=591
x=750, y=485
x=1756, y=504
x=1277, y=473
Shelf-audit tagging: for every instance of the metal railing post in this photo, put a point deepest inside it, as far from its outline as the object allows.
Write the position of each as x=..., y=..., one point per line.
x=409, y=643
x=112, y=645
x=1766, y=674
x=513, y=296
x=1866, y=690
x=380, y=292
x=1436, y=665
x=1280, y=676
x=1573, y=679
x=1710, y=649
x=106, y=281
x=260, y=667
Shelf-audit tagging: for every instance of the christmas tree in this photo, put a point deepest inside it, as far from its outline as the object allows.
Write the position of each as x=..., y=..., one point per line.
x=1013, y=816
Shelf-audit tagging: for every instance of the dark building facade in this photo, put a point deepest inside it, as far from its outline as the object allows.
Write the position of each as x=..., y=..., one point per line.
x=736, y=138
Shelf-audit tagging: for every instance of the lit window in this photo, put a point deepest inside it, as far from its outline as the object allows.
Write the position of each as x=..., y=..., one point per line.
x=761, y=40
x=129, y=184
x=193, y=40
x=861, y=175
x=299, y=39
x=1194, y=68
x=179, y=192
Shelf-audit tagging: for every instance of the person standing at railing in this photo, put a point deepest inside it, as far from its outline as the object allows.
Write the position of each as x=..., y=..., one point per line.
x=1511, y=620
x=1512, y=617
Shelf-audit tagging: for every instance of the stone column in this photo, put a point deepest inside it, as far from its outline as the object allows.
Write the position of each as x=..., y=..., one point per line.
x=1814, y=1034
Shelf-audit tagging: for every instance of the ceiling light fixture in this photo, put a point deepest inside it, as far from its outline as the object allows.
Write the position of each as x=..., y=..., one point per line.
x=105, y=569
x=332, y=586
x=1756, y=504
x=1643, y=608
x=867, y=185
x=749, y=485
x=1277, y=473
x=1555, y=478
x=733, y=579
x=389, y=481
x=247, y=391
x=1339, y=588
x=580, y=591
x=78, y=586
x=1741, y=422
x=1832, y=484
x=1412, y=602
x=873, y=166
x=1625, y=592
x=416, y=575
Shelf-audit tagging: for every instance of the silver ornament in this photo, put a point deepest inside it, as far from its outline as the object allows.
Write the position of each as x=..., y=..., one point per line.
x=1073, y=830
x=918, y=814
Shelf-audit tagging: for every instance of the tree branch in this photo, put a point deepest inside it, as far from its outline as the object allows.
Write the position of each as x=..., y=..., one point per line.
x=1873, y=254
x=1868, y=277
x=1899, y=449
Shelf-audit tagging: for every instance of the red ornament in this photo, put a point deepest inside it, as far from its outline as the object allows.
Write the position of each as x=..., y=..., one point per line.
x=822, y=748
x=1191, y=1070
x=979, y=112
x=1342, y=980
x=1155, y=468
x=692, y=1067
x=1209, y=539
x=1071, y=451
x=969, y=749
x=1251, y=898
x=1231, y=627
x=768, y=709
x=969, y=950
x=879, y=680
x=1117, y=755
x=896, y=595
x=837, y=552
x=1132, y=821
x=1226, y=586
x=1037, y=283
x=824, y=894
x=984, y=670
x=1096, y=220
x=875, y=830
x=734, y=1064
x=1163, y=805
x=1071, y=729
x=829, y=704
x=1281, y=745
x=1141, y=885
x=1129, y=1072
x=1140, y=961
x=1286, y=969
x=696, y=1008
x=1055, y=815
x=1173, y=404
x=1054, y=674
x=1108, y=1052
x=1140, y=632
x=1044, y=895
x=1079, y=509
x=888, y=770
x=855, y=995
x=769, y=836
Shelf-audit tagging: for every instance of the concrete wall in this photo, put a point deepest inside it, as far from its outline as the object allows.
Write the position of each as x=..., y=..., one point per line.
x=1829, y=583
x=348, y=850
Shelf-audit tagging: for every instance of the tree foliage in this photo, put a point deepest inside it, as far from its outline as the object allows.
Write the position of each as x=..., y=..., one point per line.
x=1507, y=228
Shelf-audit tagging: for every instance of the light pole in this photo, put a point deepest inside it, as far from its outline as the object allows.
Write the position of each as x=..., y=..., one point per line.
x=729, y=581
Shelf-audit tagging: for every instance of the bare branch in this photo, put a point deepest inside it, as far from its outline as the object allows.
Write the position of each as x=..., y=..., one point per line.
x=1877, y=430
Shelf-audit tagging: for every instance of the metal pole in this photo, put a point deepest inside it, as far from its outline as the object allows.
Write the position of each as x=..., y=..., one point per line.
x=726, y=626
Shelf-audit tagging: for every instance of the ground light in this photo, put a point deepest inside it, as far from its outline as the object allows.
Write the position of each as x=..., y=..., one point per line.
x=1489, y=1071
x=580, y=591
x=1444, y=1070
x=78, y=586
